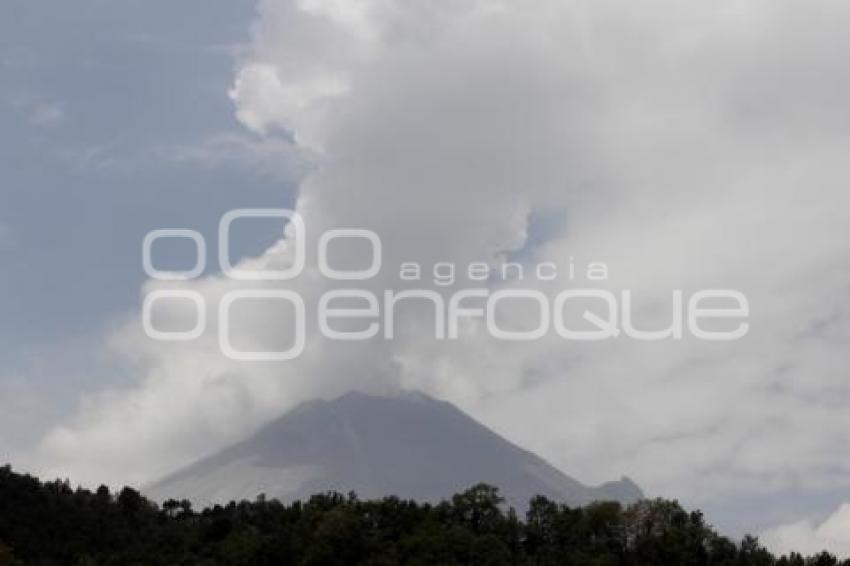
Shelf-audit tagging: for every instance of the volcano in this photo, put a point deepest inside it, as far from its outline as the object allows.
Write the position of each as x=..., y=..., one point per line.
x=409, y=445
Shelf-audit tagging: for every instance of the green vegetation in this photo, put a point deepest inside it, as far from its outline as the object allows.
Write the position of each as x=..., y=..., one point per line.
x=44, y=524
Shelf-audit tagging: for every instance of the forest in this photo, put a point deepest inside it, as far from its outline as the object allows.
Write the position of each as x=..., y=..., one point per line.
x=51, y=523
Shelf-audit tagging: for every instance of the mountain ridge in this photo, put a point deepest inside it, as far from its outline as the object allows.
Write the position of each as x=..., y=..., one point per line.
x=409, y=445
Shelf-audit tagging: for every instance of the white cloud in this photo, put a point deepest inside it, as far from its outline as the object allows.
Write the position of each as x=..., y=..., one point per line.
x=264, y=100
x=808, y=537
x=686, y=147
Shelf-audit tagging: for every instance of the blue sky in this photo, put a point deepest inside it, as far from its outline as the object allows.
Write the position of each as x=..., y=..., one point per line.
x=97, y=101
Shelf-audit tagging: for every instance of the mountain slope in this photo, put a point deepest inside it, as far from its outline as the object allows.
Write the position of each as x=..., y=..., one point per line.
x=408, y=445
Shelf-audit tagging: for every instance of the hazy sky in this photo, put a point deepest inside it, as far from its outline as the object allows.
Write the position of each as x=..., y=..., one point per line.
x=687, y=146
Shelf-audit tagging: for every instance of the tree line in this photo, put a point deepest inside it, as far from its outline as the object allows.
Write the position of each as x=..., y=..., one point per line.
x=51, y=523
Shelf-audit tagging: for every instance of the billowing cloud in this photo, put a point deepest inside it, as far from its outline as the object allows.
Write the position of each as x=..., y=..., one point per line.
x=687, y=148
x=808, y=537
